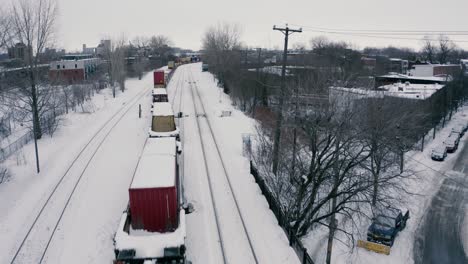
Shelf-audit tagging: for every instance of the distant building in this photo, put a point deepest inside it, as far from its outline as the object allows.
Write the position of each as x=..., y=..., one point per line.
x=19, y=51
x=464, y=66
x=51, y=54
x=398, y=66
x=369, y=63
x=73, y=68
x=87, y=50
x=103, y=47
x=401, y=78
x=100, y=50
x=429, y=70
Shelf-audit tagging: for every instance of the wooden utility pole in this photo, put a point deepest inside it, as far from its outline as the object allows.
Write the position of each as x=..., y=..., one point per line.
x=279, y=120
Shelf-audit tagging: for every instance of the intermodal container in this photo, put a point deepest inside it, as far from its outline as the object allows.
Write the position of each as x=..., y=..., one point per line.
x=154, y=209
x=159, y=78
x=170, y=64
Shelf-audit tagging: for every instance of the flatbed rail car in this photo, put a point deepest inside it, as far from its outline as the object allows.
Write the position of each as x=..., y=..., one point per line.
x=153, y=226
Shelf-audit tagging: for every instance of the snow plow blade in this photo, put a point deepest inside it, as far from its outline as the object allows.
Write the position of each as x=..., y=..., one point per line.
x=376, y=247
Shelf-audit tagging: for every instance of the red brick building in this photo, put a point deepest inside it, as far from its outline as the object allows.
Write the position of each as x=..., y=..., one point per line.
x=73, y=68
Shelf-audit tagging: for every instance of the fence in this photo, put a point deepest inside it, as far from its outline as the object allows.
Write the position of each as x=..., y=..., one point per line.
x=15, y=146
x=47, y=123
x=294, y=241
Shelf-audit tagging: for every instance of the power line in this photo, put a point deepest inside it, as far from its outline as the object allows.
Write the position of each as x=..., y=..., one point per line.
x=382, y=35
x=416, y=32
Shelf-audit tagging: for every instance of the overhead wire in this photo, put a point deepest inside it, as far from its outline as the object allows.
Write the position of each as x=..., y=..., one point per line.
x=387, y=34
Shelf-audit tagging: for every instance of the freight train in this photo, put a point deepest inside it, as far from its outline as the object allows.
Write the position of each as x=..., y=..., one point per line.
x=152, y=229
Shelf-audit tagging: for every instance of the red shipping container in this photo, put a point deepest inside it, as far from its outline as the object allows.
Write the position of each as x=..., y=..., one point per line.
x=158, y=78
x=153, y=193
x=154, y=209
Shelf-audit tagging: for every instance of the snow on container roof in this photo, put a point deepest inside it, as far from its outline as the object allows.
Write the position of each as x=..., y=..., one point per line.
x=162, y=109
x=156, y=168
x=159, y=91
x=160, y=146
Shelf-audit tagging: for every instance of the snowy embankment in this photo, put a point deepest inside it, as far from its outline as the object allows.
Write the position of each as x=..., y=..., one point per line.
x=429, y=177
x=88, y=224
x=269, y=240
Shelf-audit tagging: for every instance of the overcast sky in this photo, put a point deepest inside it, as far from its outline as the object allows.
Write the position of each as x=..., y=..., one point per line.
x=184, y=21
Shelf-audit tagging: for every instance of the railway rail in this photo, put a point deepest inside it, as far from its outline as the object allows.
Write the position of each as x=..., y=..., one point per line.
x=207, y=139
x=59, y=198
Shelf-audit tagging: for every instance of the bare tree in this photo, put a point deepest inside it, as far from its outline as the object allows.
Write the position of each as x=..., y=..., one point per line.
x=115, y=55
x=33, y=25
x=4, y=175
x=160, y=46
x=429, y=50
x=5, y=29
x=221, y=50
x=446, y=47
x=140, y=42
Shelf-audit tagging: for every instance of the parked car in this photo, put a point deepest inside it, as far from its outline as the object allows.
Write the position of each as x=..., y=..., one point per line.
x=439, y=153
x=460, y=129
x=386, y=225
x=452, y=142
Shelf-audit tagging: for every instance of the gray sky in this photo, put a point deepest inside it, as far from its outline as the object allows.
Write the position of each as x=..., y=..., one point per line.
x=184, y=21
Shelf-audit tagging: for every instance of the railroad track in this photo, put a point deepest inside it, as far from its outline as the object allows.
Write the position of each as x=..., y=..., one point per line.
x=34, y=245
x=225, y=217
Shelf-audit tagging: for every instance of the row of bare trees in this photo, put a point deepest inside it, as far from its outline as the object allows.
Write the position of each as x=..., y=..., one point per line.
x=340, y=159
x=30, y=95
x=33, y=24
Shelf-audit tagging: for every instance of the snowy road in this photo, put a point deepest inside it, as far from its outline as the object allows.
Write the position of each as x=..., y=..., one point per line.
x=441, y=240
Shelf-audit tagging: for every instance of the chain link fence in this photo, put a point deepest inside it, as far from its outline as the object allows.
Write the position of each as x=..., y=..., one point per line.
x=294, y=241
x=48, y=124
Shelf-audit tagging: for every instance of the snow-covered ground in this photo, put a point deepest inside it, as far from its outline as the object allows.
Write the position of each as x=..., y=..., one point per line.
x=89, y=221
x=88, y=225
x=268, y=239
x=430, y=175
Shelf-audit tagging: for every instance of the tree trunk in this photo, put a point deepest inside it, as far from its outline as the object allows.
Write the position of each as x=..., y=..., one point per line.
x=331, y=234
x=402, y=160
x=375, y=189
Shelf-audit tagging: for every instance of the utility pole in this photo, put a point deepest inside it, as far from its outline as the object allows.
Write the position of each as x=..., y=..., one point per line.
x=279, y=121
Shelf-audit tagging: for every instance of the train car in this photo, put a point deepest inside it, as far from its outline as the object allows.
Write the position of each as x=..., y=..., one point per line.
x=163, y=121
x=152, y=229
x=159, y=95
x=159, y=77
x=170, y=64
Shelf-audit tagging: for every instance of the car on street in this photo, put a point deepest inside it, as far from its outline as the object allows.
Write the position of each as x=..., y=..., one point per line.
x=460, y=129
x=386, y=225
x=439, y=153
x=452, y=142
